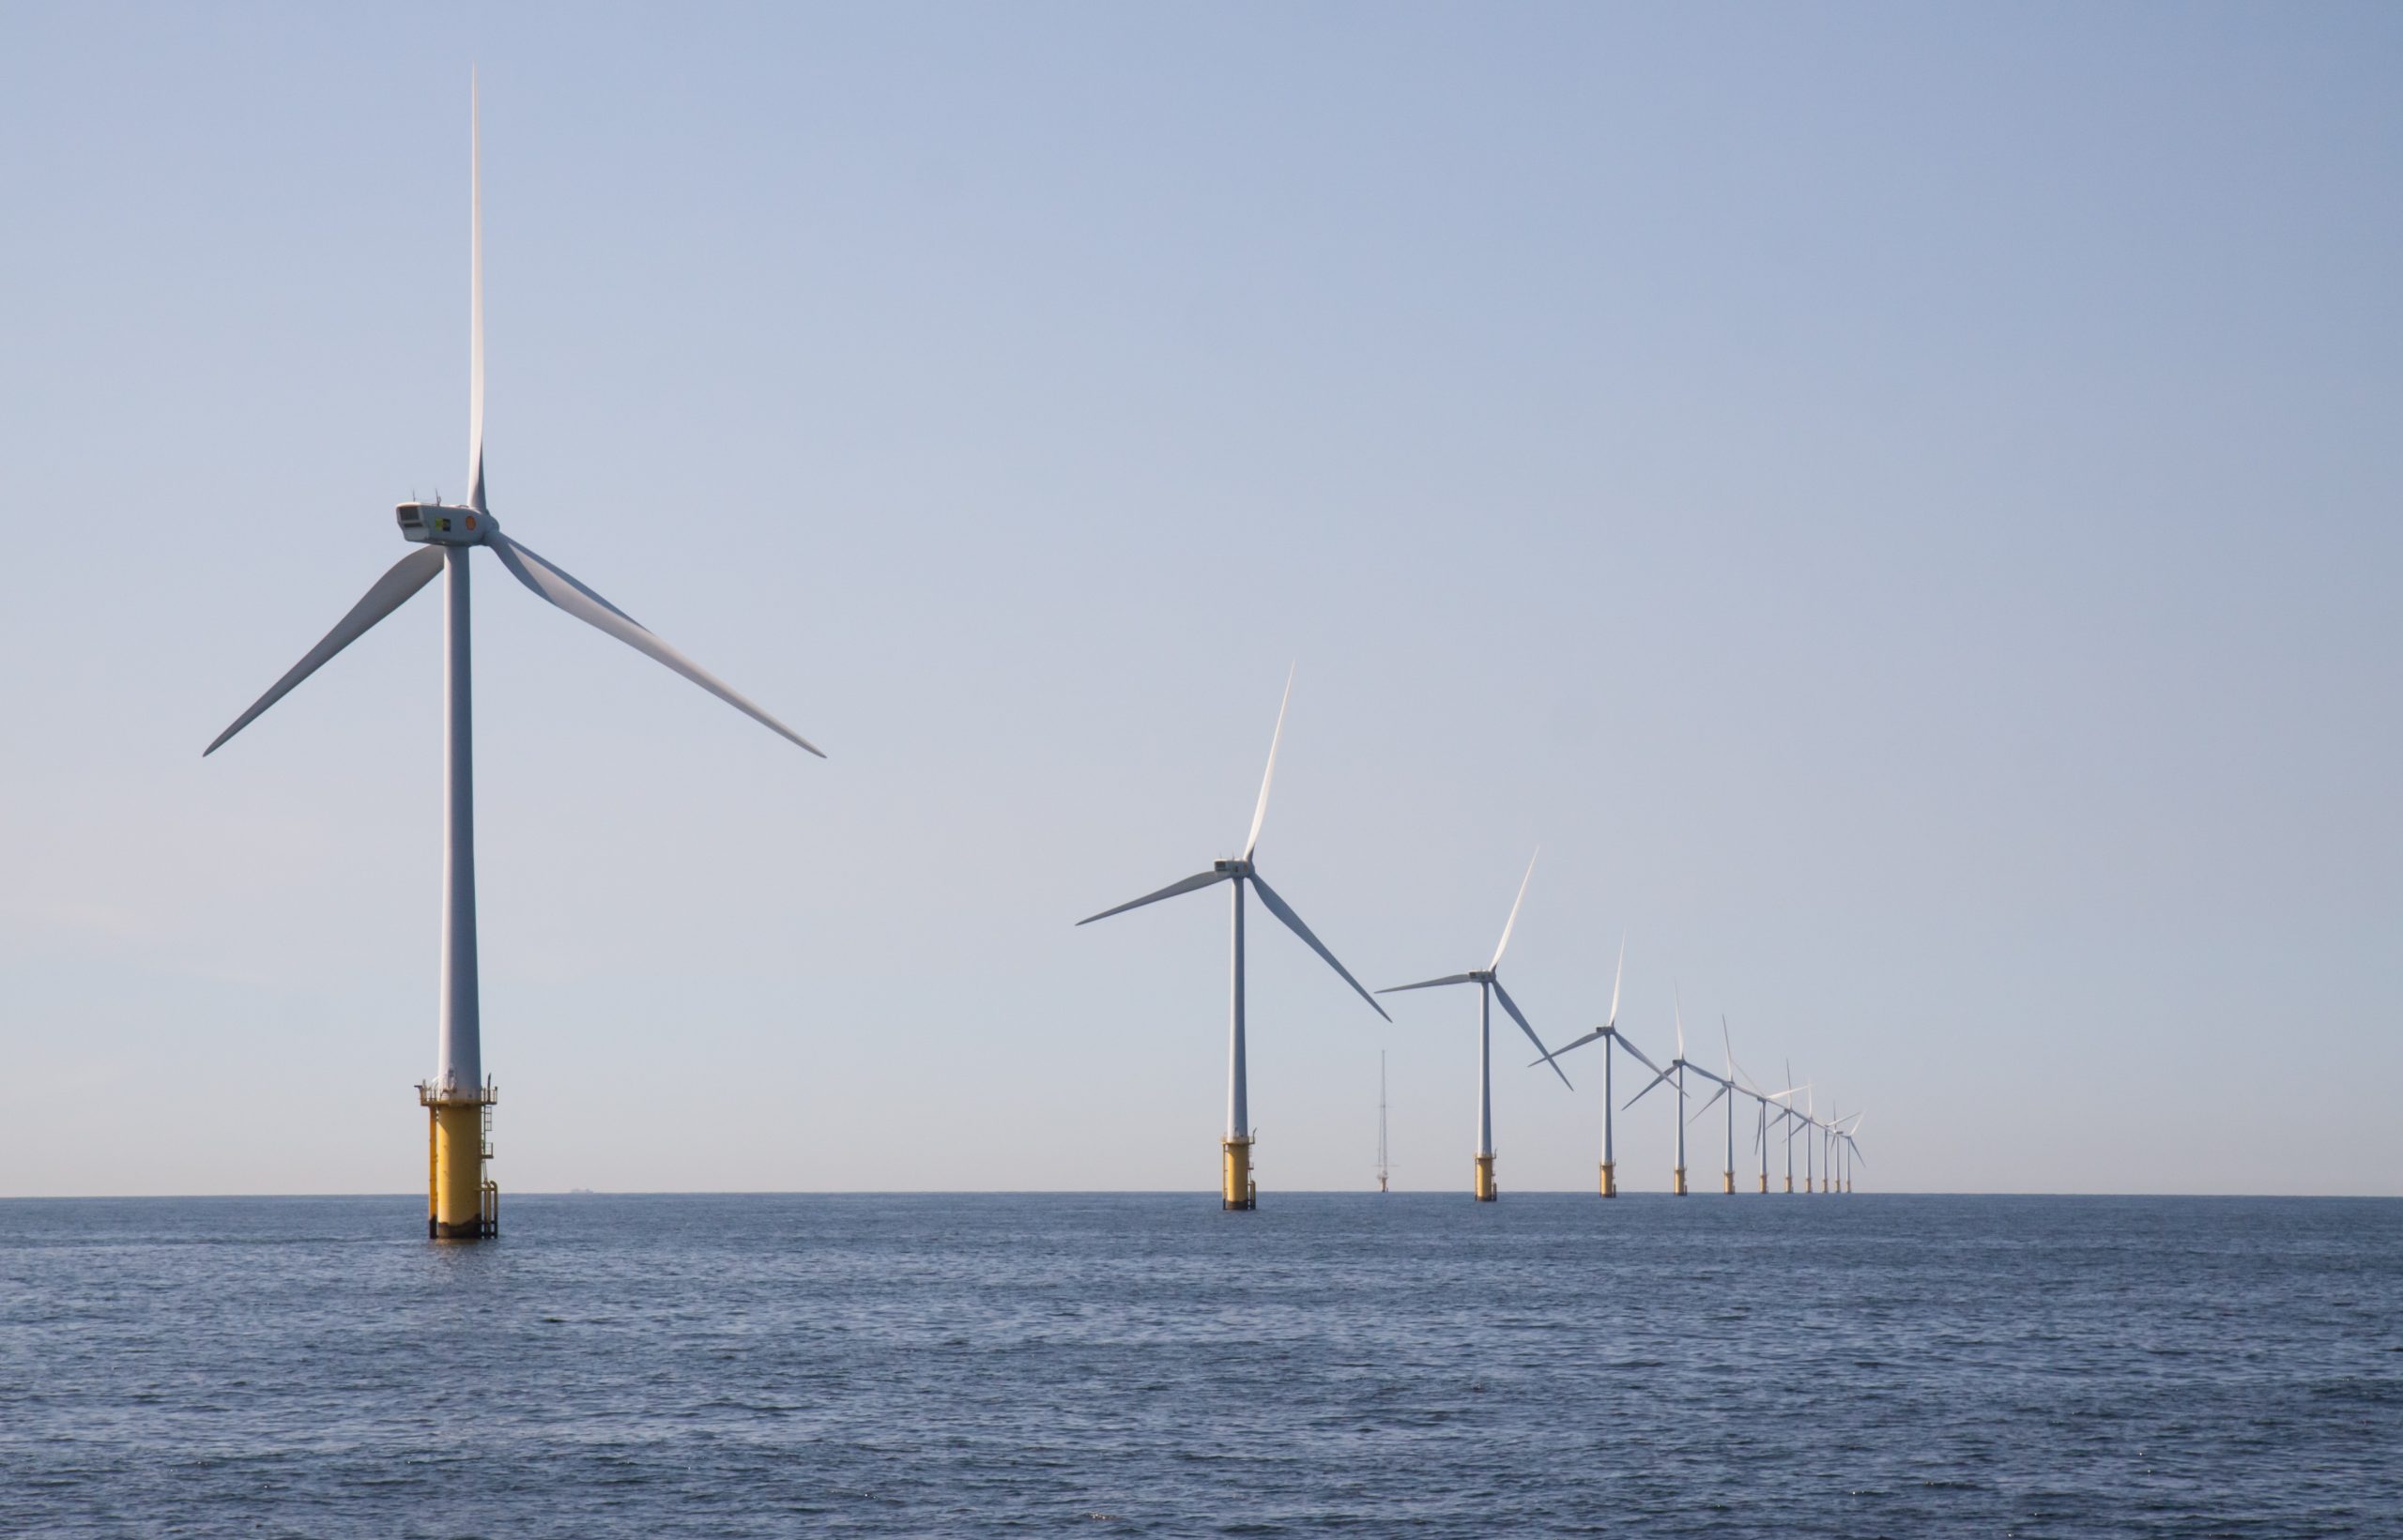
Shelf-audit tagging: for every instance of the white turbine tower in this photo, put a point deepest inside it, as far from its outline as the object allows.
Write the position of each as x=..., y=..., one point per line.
x=461, y=1203
x=1489, y=985
x=1676, y=1075
x=1607, y=1035
x=1851, y=1150
x=1235, y=1184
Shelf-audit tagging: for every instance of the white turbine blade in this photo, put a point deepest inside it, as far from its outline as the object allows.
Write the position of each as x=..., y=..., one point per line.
x=1641, y=1056
x=1618, y=978
x=1284, y=911
x=1260, y=809
x=1727, y=1043
x=1597, y=1032
x=598, y=613
x=1512, y=1006
x=1712, y=1075
x=406, y=578
x=1678, y=995
x=1648, y=1086
x=1708, y=1106
x=475, y=302
x=1430, y=983
x=1513, y=920
x=1199, y=880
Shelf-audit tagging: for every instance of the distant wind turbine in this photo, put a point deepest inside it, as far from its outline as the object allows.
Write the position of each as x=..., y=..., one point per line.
x=1676, y=1075
x=1731, y=1085
x=1236, y=1189
x=1607, y=1035
x=1489, y=983
x=461, y=1203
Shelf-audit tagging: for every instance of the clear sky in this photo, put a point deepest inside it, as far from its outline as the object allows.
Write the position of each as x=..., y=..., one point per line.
x=1899, y=502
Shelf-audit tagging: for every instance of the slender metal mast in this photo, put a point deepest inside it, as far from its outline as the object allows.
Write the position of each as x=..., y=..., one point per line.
x=459, y=1055
x=1383, y=1169
x=1238, y=1100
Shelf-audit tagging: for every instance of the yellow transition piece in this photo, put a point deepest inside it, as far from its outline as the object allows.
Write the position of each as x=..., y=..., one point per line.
x=1486, y=1190
x=460, y=1204
x=1235, y=1188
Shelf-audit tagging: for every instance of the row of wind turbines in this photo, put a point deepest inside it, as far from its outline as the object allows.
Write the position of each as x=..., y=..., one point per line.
x=462, y=1200
x=1829, y=1149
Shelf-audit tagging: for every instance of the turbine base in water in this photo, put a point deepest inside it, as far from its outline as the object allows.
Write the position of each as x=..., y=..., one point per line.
x=1236, y=1190
x=1763, y=1181
x=1610, y=1179
x=1789, y=1185
x=1727, y=1181
x=1486, y=1190
x=1680, y=1188
x=461, y=1202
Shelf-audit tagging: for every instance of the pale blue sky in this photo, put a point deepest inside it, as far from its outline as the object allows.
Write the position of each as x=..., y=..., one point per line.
x=1899, y=501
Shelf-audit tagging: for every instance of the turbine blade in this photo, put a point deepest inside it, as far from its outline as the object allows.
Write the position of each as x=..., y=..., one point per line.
x=1199, y=880
x=1641, y=1056
x=1516, y=1014
x=1727, y=1043
x=406, y=578
x=1618, y=978
x=1678, y=995
x=1597, y=1032
x=594, y=611
x=1708, y=1106
x=1260, y=809
x=1430, y=983
x=1284, y=911
x=475, y=301
x=1512, y=923
x=1647, y=1087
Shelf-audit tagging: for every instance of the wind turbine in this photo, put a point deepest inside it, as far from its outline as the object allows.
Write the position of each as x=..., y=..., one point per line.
x=1236, y=1188
x=1730, y=1085
x=461, y=1204
x=1791, y=1119
x=1489, y=985
x=1676, y=1072
x=1760, y=1134
x=1851, y=1150
x=1726, y=1083
x=1607, y=1033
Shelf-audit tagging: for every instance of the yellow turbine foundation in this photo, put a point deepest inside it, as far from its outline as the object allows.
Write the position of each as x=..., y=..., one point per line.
x=1236, y=1190
x=1486, y=1190
x=1727, y=1181
x=1610, y=1179
x=460, y=1203
x=1763, y=1181
x=1789, y=1185
x=1680, y=1188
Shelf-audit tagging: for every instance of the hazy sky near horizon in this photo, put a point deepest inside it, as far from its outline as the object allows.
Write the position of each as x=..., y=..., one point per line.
x=1900, y=503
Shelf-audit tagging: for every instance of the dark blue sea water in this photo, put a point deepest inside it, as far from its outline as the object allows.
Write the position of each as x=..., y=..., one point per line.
x=1115, y=1365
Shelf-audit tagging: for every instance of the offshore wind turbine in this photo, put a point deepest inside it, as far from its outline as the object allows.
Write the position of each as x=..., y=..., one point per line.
x=1489, y=985
x=1726, y=1084
x=1851, y=1148
x=1236, y=1189
x=1676, y=1072
x=1760, y=1134
x=461, y=1202
x=1731, y=1086
x=1608, y=1033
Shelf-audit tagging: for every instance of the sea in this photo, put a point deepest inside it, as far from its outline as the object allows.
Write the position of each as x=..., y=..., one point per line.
x=1853, y=1366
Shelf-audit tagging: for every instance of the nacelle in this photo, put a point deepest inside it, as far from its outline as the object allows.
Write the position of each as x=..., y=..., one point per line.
x=443, y=524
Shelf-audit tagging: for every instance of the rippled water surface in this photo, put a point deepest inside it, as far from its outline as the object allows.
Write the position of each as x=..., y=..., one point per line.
x=1413, y=1365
